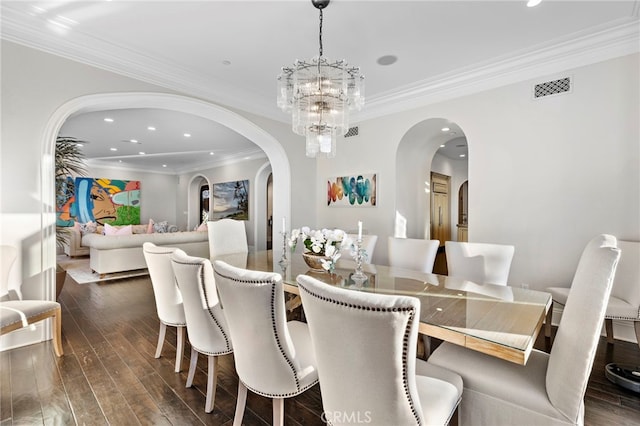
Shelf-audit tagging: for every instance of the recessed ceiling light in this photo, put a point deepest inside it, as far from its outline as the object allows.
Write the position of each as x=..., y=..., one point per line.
x=462, y=155
x=445, y=129
x=79, y=145
x=442, y=146
x=387, y=60
x=114, y=149
x=133, y=140
x=226, y=62
x=211, y=153
x=533, y=3
x=151, y=128
x=187, y=135
x=108, y=120
x=164, y=165
x=142, y=153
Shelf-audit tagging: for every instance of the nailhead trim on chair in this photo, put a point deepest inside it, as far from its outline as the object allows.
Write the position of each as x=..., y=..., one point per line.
x=272, y=283
x=201, y=283
x=405, y=340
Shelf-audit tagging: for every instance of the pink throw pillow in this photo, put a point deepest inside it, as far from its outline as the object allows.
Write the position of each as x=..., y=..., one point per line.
x=112, y=230
x=150, y=227
x=202, y=227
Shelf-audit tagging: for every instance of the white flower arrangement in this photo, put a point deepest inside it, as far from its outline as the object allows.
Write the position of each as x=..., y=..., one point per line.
x=324, y=242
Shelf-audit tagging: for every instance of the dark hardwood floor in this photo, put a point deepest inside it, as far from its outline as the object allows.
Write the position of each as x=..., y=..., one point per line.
x=108, y=374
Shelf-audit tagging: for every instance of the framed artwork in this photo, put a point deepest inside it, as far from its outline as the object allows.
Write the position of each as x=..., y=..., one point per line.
x=352, y=191
x=100, y=200
x=230, y=200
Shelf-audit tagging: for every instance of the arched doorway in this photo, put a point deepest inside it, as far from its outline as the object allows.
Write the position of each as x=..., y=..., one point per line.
x=276, y=155
x=419, y=153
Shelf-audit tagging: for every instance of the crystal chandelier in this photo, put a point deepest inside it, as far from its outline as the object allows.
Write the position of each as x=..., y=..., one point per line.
x=319, y=93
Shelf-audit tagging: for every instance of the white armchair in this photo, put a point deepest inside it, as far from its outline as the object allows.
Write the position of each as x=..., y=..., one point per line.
x=17, y=314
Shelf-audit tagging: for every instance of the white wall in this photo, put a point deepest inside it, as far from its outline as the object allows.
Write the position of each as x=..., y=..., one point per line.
x=545, y=175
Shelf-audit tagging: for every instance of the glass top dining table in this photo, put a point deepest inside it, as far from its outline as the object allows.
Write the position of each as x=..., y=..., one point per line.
x=501, y=321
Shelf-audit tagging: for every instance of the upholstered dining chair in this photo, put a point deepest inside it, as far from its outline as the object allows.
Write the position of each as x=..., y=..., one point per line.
x=479, y=262
x=17, y=314
x=206, y=324
x=168, y=297
x=377, y=380
x=368, y=243
x=624, y=302
x=273, y=357
x=227, y=236
x=550, y=388
x=411, y=253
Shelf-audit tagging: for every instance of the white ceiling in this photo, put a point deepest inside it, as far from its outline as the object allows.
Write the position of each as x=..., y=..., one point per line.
x=230, y=52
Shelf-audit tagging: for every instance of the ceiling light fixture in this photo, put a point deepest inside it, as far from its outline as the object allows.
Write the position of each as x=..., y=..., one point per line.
x=151, y=128
x=445, y=129
x=108, y=120
x=187, y=135
x=319, y=93
x=533, y=3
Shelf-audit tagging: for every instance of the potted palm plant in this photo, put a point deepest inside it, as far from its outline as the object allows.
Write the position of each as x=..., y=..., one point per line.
x=69, y=162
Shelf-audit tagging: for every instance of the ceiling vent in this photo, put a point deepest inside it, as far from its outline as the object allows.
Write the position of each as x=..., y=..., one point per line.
x=551, y=88
x=353, y=131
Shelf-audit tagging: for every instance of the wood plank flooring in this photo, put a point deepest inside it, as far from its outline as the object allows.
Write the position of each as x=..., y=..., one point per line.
x=108, y=374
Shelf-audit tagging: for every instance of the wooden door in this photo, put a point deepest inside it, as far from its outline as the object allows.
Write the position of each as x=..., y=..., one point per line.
x=440, y=210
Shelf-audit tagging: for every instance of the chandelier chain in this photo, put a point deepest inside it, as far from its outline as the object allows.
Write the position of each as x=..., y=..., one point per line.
x=320, y=33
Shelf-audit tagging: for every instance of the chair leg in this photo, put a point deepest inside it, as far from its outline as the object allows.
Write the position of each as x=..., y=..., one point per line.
x=426, y=340
x=212, y=380
x=181, y=330
x=242, y=401
x=161, y=334
x=57, y=332
x=608, y=327
x=192, y=366
x=636, y=324
x=278, y=411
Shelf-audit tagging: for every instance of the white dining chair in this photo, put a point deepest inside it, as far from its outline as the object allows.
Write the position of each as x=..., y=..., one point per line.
x=273, y=358
x=624, y=302
x=168, y=297
x=368, y=244
x=412, y=253
x=479, y=262
x=550, y=388
x=378, y=380
x=227, y=236
x=206, y=324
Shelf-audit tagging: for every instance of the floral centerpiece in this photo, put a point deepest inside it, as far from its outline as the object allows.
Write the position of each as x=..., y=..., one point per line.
x=321, y=247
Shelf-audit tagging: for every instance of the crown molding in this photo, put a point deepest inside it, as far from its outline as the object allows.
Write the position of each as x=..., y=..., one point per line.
x=618, y=38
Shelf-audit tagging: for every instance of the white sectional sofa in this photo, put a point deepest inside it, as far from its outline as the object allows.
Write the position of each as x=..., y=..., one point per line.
x=116, y=253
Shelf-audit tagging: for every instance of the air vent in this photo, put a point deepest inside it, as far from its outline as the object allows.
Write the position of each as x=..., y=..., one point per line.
x=549, y=88
x=353, y=131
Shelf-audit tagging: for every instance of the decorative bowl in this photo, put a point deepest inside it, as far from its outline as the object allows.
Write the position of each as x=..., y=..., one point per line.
x=313, y=260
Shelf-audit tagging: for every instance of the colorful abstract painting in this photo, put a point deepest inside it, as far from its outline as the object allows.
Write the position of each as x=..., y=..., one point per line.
x=231, y=200
x=101, y=200
x=356, y=191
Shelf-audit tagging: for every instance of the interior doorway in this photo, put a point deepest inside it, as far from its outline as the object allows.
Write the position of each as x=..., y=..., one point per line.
x=440, y=207
x=270, y=212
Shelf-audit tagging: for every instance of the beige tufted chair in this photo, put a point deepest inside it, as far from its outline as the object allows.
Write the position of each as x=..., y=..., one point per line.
x=207, y=327
x=365, y=346
x=273, y=357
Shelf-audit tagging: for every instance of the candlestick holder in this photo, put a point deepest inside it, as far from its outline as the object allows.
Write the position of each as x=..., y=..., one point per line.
x=359, y=258
x=284, y=261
